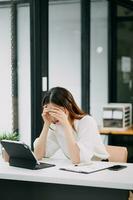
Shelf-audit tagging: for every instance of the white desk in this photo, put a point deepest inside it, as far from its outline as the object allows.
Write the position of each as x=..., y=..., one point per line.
x=53, y=183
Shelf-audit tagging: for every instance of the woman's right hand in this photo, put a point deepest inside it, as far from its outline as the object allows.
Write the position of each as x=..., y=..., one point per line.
x=46, y=116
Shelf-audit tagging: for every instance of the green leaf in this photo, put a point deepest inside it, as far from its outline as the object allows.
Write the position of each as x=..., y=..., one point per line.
x=9, y=136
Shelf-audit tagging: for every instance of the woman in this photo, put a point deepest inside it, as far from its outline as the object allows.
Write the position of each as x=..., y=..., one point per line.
x=67, y=127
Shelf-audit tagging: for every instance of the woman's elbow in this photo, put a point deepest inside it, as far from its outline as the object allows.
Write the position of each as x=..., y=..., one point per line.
x=76, y=161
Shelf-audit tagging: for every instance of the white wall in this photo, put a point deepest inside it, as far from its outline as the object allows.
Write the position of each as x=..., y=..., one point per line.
x=24, y=79
x=99, y=58
x=64, y=47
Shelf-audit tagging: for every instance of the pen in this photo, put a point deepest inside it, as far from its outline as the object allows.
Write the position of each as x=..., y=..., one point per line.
x=83, y=164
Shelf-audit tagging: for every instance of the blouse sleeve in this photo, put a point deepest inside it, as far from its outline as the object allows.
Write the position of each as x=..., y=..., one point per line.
x=52, y=144
x=89, y=139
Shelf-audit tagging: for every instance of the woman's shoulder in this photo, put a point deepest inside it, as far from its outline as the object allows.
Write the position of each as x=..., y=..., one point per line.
x=87, y=118
x=86, y=121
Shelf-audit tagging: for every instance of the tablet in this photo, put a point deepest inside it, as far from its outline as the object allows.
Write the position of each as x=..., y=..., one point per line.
x=20, y=155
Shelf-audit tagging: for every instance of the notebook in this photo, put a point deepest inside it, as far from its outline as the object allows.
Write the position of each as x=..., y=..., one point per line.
x=88, y=168
x=20, y=155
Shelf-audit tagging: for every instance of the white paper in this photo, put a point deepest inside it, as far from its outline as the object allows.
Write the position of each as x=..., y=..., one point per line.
x=107, y=114
x=117, y=115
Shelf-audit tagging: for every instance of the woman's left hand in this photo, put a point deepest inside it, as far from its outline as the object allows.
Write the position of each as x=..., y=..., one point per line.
x=60, y=114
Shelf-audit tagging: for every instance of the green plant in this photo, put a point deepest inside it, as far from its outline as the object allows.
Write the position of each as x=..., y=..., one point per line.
x=9, y=136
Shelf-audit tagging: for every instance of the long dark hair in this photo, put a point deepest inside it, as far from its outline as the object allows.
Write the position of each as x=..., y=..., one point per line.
x=62, y=97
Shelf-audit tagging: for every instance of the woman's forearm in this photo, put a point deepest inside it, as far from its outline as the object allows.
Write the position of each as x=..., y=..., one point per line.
x=74, y=150
x=40, y=143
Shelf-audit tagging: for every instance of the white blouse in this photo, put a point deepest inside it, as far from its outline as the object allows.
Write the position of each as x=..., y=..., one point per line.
x=87, y=137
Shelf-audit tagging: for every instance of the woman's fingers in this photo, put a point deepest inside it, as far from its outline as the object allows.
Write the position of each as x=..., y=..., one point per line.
x=56, y=110
x=53, y=114
x=61, y=116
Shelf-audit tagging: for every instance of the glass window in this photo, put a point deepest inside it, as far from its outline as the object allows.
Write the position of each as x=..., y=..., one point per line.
x=124, y=12
x=24, y=78
x=5, y=70
x=124, y=60
x=15, y=80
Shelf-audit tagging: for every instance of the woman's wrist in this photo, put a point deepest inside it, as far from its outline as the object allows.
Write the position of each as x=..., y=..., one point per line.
x=44, y=130
x=67, y=125
x=46, y=124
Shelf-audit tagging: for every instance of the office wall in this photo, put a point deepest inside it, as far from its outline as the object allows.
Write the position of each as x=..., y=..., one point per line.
x=99, y=58
x=64, y=47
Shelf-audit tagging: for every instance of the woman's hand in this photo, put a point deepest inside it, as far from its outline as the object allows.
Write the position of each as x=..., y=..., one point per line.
x=60, y=115
x=46, y=116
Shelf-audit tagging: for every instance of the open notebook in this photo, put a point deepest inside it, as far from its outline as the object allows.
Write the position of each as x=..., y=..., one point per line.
x=20, y=155
x=88, y=168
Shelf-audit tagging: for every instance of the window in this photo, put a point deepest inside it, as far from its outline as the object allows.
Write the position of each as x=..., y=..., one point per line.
x=6, y=123
x=15, y=68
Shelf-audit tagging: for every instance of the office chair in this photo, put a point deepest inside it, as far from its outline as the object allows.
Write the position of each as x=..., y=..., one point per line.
x=117, y=153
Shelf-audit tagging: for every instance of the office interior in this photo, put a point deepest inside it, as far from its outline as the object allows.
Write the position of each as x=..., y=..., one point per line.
x=85, y=46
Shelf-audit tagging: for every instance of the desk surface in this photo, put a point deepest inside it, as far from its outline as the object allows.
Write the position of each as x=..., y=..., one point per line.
x=122, y=179
x=128, y=131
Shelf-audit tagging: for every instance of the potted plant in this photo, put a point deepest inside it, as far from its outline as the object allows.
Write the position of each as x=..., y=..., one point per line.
x=8, y=136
